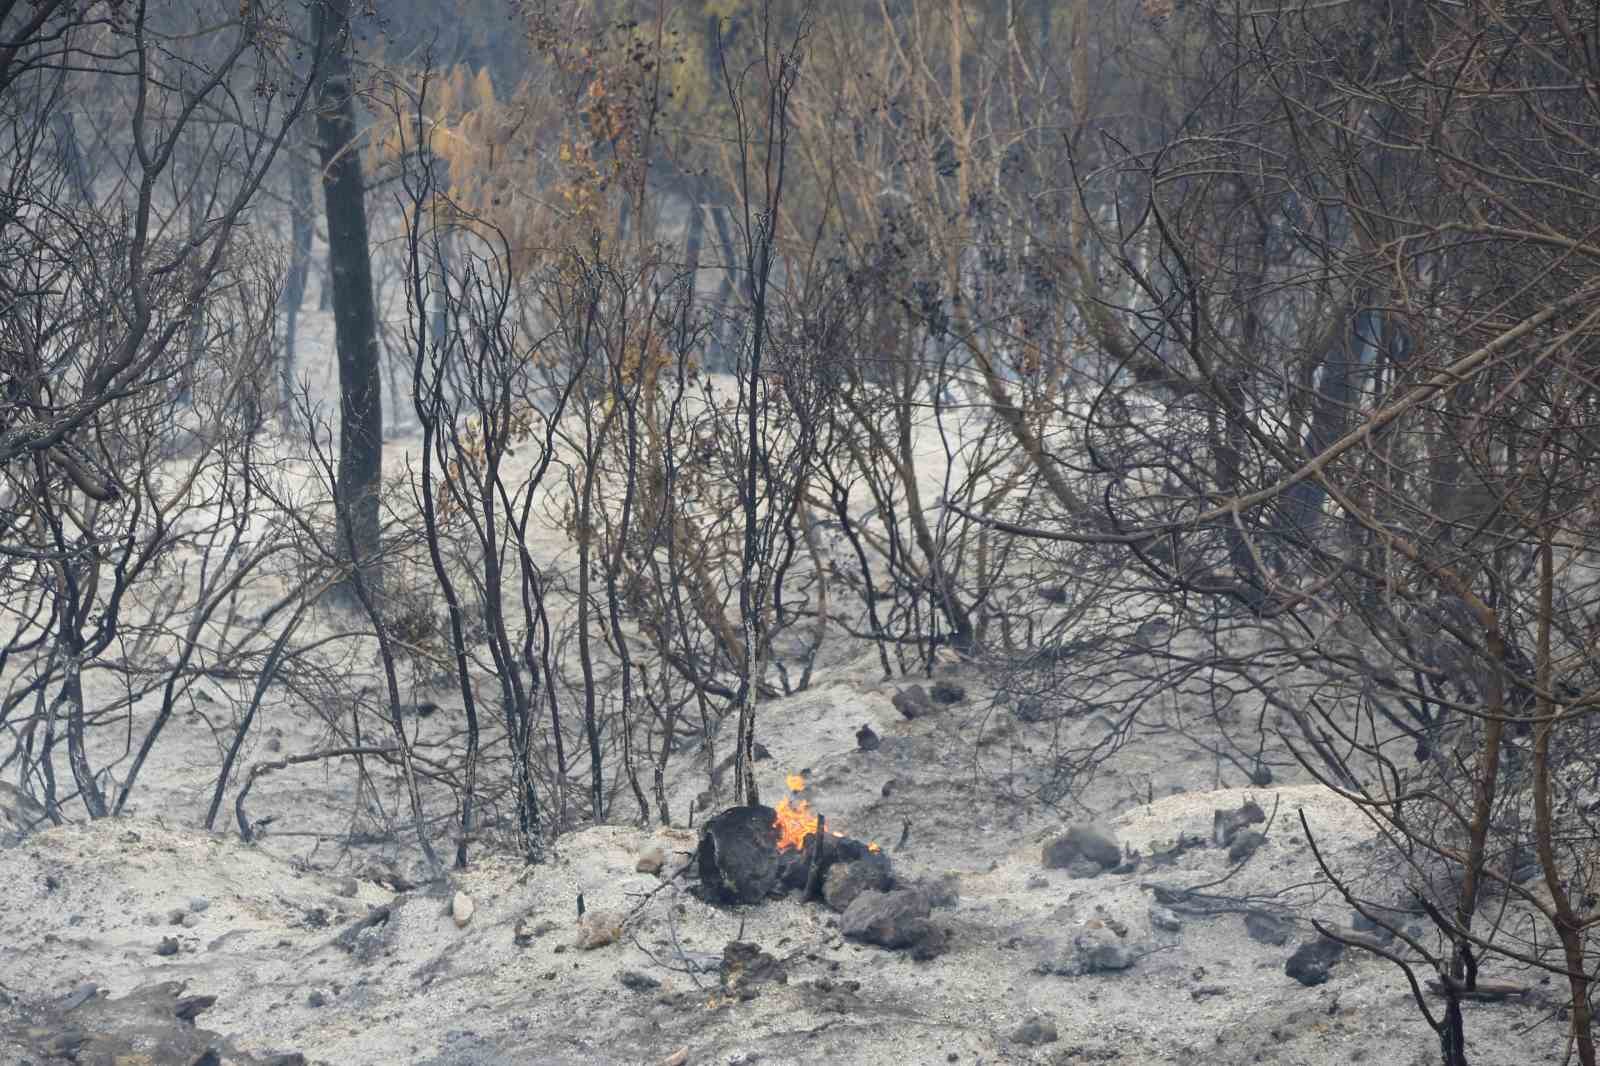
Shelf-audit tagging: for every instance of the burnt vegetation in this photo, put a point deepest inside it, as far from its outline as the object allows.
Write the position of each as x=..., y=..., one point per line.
x=1216, y=370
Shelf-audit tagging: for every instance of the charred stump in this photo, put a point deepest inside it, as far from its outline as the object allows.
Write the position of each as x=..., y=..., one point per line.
x=739, y=859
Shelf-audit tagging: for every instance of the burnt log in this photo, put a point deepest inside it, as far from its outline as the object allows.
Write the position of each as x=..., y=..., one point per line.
x=739, y=860
x=739, y=857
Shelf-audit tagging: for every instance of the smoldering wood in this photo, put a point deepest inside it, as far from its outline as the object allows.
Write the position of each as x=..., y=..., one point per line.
x=739, y=860
x=813, y=887
x=738, y=855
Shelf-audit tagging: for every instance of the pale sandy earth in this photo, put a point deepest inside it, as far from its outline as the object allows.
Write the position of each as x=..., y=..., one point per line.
x=437, y=993
x=78, y=904
x=434, y=993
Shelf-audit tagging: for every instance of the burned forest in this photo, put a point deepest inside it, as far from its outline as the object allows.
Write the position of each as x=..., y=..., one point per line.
x=675, y=532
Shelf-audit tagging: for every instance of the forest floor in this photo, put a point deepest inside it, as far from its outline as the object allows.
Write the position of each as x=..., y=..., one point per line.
x=99, y=912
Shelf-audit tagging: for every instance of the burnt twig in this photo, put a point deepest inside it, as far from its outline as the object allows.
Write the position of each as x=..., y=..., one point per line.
x=261, y=769
x=665, y=883
x=814, y=860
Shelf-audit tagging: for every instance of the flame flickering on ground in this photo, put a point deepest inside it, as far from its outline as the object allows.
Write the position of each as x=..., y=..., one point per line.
x=795, y=822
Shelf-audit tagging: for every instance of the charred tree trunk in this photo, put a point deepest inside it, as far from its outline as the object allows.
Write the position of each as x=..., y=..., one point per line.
x=724, y=335
x=354, y=313
x=691, y=254
x=294, y=285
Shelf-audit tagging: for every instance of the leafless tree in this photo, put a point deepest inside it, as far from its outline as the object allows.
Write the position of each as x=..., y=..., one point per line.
x=135, y=344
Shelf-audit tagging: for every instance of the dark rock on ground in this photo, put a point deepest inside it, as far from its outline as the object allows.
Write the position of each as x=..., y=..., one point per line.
x=1312, y=960
x=1267, y=929
x=866, y=739
x=847, y=849
x=1096, y=843
x=745, y=967
x=931, y=942
x=168, y=947
x=847, y=880
x=897, y=919
x=1245, y=844
x=1083, y=869
x=366, y=938
x=1059, y=853
x=596, y=929
x=1095, y=948
x=913, y=702
x=191, y=1007
x=1082, y=842
x=948, y=692
x=1225, y=825
x=1035, y=1031
x=1101, y=950
x=886, y=918
x=634, y=981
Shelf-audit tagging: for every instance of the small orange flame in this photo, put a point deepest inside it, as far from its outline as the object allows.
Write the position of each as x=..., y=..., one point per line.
x=795, y=822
